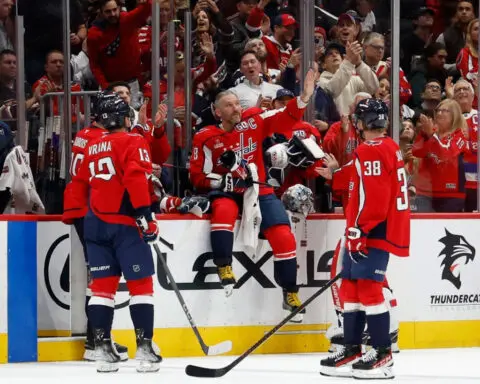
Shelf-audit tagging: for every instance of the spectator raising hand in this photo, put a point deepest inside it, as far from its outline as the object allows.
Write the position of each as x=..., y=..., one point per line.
x=206, y=44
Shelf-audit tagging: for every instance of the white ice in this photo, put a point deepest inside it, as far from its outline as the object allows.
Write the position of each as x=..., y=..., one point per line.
x=442, y=366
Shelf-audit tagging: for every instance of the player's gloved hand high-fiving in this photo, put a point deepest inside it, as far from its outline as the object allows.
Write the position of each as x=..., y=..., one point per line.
x=357, y=244
x=148, y=227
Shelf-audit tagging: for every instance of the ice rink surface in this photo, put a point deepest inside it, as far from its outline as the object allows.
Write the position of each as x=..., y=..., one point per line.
x=448, y=366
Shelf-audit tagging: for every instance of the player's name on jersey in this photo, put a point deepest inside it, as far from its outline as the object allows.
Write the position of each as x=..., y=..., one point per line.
x=80, y=142
x=104, y=146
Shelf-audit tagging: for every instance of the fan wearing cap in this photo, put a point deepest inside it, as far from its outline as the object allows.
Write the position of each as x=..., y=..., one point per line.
x=278, y=45
x=348, y=27
x=344, y=77
x=413, y=45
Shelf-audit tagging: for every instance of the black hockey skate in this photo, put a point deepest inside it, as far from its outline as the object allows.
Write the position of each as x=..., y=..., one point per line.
x=227, y=279
x=89, y=354
x=366, y=340
x=339, y=364
x=377, y=363
x=148, y=354
x=292, y=302
x=106, y=356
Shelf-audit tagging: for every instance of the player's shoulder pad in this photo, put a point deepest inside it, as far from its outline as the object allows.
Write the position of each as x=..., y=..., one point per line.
x=206, y=133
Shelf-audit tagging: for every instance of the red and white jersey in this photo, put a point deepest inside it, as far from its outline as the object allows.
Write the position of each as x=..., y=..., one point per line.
x=467, y=64
x=378, y=199
x=405, y=87
x=470, y=156
x=246, y=138
x=441, y=172
x=75, y=209
x=341, y=144
x=276, y=52
x=115, y=177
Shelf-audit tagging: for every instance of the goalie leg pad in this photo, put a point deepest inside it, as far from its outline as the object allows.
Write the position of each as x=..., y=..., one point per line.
x=282, y=241
x=141, y=305
x=224, y=215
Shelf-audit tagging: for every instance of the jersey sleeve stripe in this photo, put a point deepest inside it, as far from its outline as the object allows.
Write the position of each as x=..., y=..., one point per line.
x=208, y=163
x=361, y=191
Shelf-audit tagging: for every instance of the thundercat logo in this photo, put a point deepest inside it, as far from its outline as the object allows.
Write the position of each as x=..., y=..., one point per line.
x=458, y=252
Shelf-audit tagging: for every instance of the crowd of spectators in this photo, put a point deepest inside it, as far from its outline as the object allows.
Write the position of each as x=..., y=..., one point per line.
x=252, y=47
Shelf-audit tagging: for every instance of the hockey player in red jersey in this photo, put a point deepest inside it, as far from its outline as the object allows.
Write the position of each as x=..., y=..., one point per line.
x=213, y=169
x=114, y=178
x=75, y=211
x=378, y=223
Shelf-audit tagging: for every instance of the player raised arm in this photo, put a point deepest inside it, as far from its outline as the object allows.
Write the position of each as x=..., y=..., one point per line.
x=282, y=121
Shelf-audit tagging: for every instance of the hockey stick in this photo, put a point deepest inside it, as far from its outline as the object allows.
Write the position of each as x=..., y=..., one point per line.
x=216, y=349
x=166, y=243
x=194, y=370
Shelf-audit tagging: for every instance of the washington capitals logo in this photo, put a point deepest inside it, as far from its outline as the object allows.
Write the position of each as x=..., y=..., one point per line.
x=457, y=252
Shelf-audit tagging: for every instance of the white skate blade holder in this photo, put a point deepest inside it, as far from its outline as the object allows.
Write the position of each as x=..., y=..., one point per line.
x=385, y=372
x=106, y=367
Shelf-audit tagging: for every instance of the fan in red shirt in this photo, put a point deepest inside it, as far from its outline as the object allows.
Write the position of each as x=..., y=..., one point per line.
x=441, y=144
x=467, y=59
x=278, y=45
x=463, y=94
x=113, y=47
x=53, y=82
x=342, y=139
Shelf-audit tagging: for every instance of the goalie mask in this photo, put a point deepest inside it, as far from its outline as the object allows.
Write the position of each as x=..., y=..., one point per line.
x=303, y=152
x=299, y=199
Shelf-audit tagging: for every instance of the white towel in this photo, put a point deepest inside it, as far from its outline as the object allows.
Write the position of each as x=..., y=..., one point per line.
x=251, y=216
x=17, y=176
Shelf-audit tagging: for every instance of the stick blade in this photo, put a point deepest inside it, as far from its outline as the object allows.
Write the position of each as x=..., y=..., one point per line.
x=218, y=349
x=196, y=371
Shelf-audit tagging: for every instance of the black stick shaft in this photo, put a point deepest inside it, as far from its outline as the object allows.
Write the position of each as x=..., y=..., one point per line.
x=180, y=299
x=193, y=370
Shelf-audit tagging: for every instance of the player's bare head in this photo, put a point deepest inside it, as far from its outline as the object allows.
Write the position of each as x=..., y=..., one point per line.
x=250, y=65
x=228, y=108
x=463, y=94
x=122, y=89
x=257, y=46
x=110, y=10
x=407, y=131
